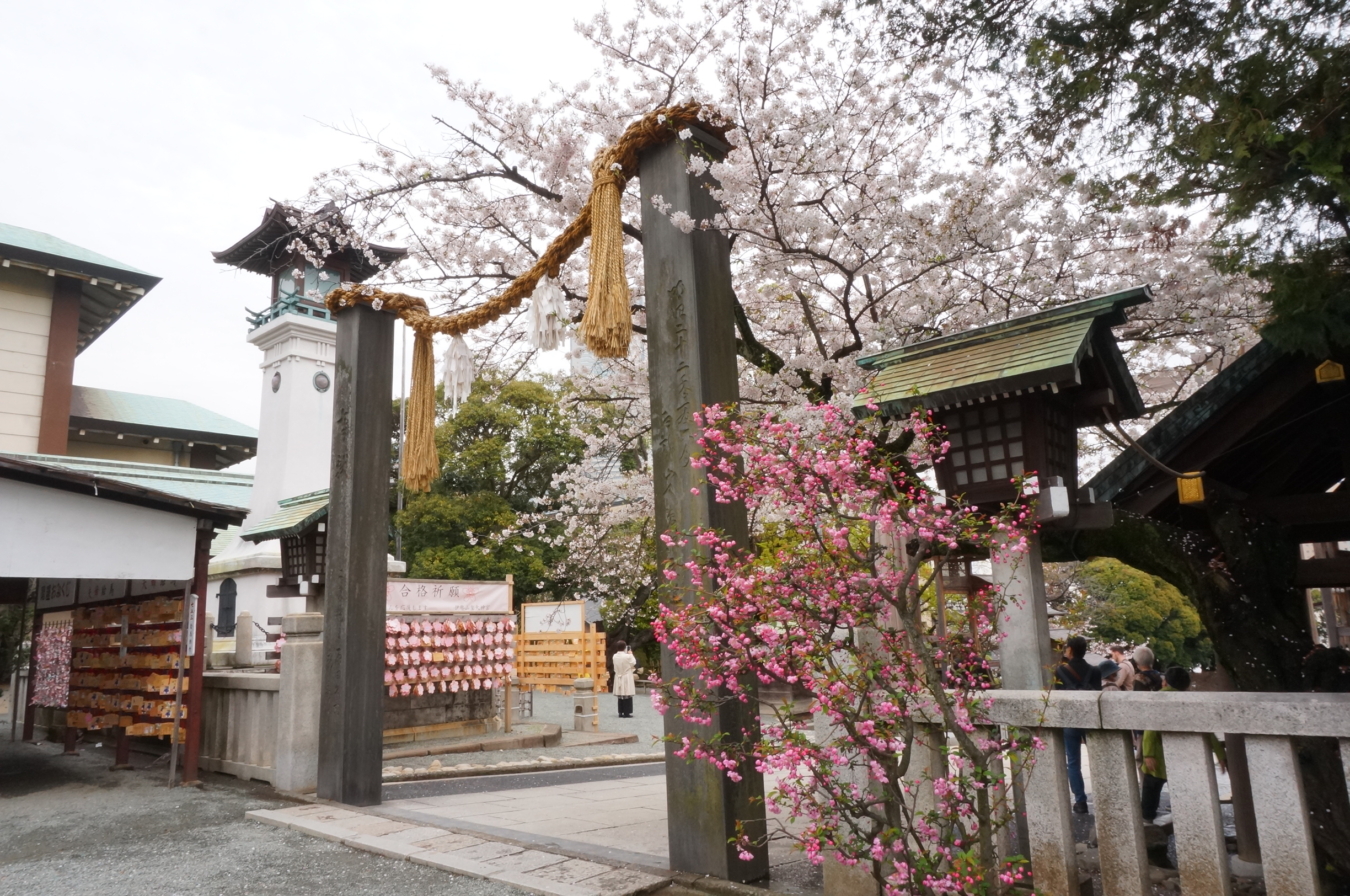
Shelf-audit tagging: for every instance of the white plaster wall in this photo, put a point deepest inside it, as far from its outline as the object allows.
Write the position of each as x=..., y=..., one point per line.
x=295, y=430
x=25, y=322
x=295, y=438
x=51, y=533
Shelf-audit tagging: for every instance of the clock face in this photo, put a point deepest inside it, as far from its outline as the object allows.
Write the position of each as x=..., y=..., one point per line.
x=276, y=381
x=322, y=382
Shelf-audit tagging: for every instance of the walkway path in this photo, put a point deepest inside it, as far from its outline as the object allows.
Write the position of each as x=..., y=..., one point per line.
x=603, y=830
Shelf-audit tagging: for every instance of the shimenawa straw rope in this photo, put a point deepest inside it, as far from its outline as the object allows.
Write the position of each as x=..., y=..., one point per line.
x=606, y=326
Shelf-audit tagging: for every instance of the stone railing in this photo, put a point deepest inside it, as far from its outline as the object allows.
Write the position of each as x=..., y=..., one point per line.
x=265, y=725
x=239, y=723
x=1186, y=721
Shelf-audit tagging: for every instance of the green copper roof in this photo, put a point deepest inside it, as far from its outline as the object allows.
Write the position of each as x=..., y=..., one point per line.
x=44, y=243
x=293, y=516
x=210, y=486
x=1020, y=353
x=151, y=412
x=224, y=538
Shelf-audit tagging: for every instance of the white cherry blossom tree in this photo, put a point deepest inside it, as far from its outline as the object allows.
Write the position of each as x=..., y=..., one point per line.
x=865, y=206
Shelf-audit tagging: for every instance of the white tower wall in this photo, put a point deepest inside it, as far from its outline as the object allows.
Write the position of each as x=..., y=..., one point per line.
x=295, y=442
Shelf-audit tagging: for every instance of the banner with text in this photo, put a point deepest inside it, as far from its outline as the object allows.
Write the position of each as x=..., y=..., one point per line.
x=443, y=596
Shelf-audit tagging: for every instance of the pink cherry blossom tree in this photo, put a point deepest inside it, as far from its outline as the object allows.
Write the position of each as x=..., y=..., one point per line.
x=909, y=780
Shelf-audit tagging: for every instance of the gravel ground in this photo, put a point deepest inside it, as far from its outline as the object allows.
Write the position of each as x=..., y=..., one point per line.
x=68, y=824
x=557, y=708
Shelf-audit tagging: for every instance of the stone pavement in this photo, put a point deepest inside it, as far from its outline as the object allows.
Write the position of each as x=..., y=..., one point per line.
x=538, y=871
x=607, y=825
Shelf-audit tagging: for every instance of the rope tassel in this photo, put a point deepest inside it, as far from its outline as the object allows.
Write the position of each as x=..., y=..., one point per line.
x=607, y=325
x=421, y=465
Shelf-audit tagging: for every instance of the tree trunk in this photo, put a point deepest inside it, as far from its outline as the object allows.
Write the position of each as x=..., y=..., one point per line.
x=1239, y=574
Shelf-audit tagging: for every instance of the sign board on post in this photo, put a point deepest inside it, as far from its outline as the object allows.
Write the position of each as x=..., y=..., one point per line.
x=442, y=596
x=190, y=628
x=566, y=616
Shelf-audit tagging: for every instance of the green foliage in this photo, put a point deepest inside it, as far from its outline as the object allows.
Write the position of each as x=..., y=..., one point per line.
x=14, y=631
x=499, y=453
x=1117, y=603
x=508, y=438
x=1237, y=106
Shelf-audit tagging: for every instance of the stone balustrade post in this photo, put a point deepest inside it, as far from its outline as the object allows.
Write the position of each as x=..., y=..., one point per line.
x=297, y=751
x=1120, y=830
x=1202, y=856
x=1288, y=858
x=243, y=639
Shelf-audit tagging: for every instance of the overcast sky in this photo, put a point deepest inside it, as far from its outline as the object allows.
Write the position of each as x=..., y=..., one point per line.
x=157, y=132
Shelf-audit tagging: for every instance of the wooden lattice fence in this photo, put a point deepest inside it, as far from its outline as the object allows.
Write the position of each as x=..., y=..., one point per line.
x=552, y=661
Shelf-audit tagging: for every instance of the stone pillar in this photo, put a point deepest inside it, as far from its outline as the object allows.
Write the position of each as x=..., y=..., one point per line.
x=1197, y=821
x=351, y=736
x=691, y=360
x=1288, y=858
x=1120, y=830
x=1025, y=654
x=243, y=639
x=1025, y=658
x=297, y=751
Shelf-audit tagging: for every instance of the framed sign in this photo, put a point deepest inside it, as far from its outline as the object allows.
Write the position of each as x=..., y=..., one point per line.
x=444, y=596
x=53, y=593
x=140, y=587
x=566, y=616
x=95, y=590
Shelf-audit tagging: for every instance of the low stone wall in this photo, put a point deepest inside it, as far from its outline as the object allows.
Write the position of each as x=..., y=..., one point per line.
x=440, y=709
x=239, y=723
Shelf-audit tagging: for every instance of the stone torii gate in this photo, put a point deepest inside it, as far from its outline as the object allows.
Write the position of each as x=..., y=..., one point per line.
x=692, y=363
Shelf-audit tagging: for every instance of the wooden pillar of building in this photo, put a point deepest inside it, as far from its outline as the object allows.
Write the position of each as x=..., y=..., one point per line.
x=62, y=341
x=691, y=352
x=192, y=737
x=351, y=736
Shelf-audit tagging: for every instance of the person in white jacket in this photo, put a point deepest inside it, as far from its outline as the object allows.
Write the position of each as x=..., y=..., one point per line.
x=624, y=686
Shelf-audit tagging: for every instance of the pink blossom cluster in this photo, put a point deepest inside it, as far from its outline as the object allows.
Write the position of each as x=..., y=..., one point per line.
x=837, y=599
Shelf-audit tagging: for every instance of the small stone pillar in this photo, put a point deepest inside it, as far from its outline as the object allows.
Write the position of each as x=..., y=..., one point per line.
x=243, y=639
x=586, y=706
x=297, y=751
x=208, y=641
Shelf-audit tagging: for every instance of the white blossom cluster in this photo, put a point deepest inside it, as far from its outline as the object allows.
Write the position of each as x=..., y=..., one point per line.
x=864, y=203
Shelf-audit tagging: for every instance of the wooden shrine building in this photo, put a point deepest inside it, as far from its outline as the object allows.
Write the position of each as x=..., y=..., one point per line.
x=1271, y=433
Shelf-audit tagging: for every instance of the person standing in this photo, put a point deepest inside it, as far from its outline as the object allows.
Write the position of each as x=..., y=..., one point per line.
x=624, y=685
x=1076, y=674
x=1146, y=678
x=1116, y=677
